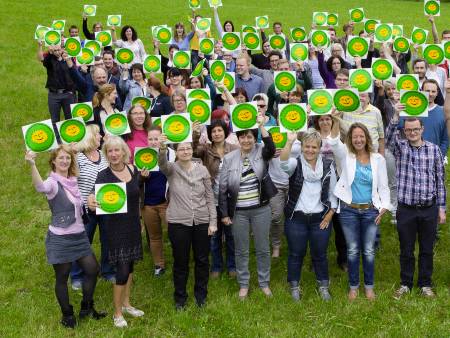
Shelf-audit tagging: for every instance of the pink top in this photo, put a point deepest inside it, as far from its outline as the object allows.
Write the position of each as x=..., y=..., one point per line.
x=138, y=139
x=50, y=188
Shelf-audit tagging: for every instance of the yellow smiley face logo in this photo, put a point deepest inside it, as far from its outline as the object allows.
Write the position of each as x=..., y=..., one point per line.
x=82, y=112
x=114, y=20
x=198, y=111
x=371, y=26
x=382, y=69
x=116, y=123
x=85, y=55
x=52, y=38
x=346, y=101
x=299, y=52
x=321, y=101
x=432, y=7
x=360, y=79
x=358, y=46
x=203, y=24
x=244, y=115
x=58, y=25
x=407, y=85
x=332, y=20
x=218, y=71
x=433, y=54
x=72, y=130
x=181, y=59
x=285, y=81
x=418, y=36
x=293, y=116
x=262, y=21
x=384, y=32
x=277, y=42
x=298, y=34
x=163, y=35
x=111, y=197
x=357, y=15
x=414, y=101
x=251, y=40
x=401, y=44
x=320, y=18
x=319, y=38
x=230, y=40
x=72, y=46
x=194, y=2
x=277, y=137
x=125, y=56
x=39, y=136
x=147, y=158
x=151, y=63
x=176, y=127
x=226, y=82
x=103, y=38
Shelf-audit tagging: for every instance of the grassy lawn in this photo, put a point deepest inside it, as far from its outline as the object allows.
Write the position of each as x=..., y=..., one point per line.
x=28, y=304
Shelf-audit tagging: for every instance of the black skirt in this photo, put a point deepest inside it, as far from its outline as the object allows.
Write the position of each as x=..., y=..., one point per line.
x=66, y=248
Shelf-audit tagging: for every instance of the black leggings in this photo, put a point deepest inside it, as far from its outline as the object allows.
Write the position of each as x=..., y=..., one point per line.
x=123, y=272
x=90, y=268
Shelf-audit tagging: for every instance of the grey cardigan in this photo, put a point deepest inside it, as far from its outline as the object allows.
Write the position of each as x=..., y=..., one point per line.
x=230, y=173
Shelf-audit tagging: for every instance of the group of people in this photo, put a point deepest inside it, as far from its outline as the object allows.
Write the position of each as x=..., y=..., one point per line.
x=225, y=188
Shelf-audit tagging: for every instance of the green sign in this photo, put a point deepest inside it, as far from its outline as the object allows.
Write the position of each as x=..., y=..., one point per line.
x=194, y=4
x=397, y=30
x=446, y=47
x=432, y=7
x=277, y=41
x=320, y=38
x=89, y=10
x=86, y=57
x=203, y=24
x=299, y=51
x=124, y=56
x=152, y=64
x=279, y=138
x=419, y=36
x=401, y=45
x=231, y=41
x=346, y=100
x=146, y=158
x=407, y=82
x=164, y=35
x=383, y=32
x=298, y=34
x=198, y=68
x=114, y=20
x=117, y=124
x=177, y=128
x=244, y=116
x=143, y=101
x=285, y=81
x=416, y=103
x=361, y=79
x=369, y=25
x=229, y=82
x=356, y=14
x=434, y=54
x=104, y=37
x=58, y=25
x=200, y=93
x=52, y=37
x=83, y=110
x=39, y=33
x=358, y=46
x=111, y=197
x=320, y=101
x=94, y=46
x=262, y=22
x=217, y=69
x=71, y=130
x=252, y=40
x=320, y=18
x=39, y=136
x=206, y=46
x=199, y=110
x=382, y=69
x=73, y=46
x=248, y=29
x=332, y=19
x=182, y=59
x=293, y=117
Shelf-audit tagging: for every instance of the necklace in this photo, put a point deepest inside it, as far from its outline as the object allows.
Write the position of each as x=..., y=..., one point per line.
x=124, y=166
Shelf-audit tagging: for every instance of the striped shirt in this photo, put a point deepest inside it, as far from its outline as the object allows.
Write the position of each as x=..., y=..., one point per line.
x=371, y=118
x=248, y=196
x=88, y=173
x=420, y=170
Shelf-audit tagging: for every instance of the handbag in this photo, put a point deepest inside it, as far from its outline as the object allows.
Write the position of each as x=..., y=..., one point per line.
x=268, y=188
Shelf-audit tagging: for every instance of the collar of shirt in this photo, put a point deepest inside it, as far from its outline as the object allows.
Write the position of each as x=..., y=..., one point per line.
x=251, y=77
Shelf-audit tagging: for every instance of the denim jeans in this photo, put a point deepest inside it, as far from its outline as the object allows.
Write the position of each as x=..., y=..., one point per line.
x=107, y=270
x=216, y=247
x=300, y=230
x=360, y=233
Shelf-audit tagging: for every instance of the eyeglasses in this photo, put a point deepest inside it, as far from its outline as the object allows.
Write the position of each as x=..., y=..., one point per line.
x=181, y=150
x=411, y=130
x=262, y=106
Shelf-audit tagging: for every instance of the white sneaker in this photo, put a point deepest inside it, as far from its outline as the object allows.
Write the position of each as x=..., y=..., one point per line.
x=77, y=285
x=132, y=311
x=120, y=321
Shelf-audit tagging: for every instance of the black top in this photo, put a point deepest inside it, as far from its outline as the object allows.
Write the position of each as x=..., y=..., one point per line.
x=123, y=230
x=58, y=76
x=161, y=106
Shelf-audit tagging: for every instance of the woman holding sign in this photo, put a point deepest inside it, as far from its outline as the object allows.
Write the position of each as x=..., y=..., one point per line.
x=136, y=86
x=103, y=103
x=129, y=39
x=66, y=240
x=244, y=201
x=139, y=122
x=212, y=156
x=124, y=229
x=364, y=194
x=191, y=218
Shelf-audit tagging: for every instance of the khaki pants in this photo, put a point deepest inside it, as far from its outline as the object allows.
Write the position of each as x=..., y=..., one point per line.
x=154, y=218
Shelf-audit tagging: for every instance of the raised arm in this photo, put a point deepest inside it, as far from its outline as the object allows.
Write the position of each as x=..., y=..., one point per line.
x=217, y=21
x=434, y=29
x=268, y=150
x=36, y=178
x=287, y=163
x=86, y=32
x=165, y=166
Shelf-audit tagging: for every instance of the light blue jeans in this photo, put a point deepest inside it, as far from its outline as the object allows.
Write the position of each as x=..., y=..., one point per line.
x=360, y=233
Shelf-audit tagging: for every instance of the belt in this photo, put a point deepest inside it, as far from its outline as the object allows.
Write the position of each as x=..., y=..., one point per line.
x=421, y=205
x=363, y=206
x=301, y=213
x=59, y=91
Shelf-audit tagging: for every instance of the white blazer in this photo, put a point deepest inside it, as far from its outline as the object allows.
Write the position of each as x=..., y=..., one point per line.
x=343, y=190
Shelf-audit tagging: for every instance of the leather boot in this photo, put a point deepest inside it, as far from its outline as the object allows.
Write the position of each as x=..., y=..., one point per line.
x=87, y=309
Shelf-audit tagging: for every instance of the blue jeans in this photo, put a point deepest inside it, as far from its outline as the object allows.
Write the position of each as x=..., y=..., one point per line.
x=107, y=270
x=216, y=247
x=300, y=230
x=360, y=233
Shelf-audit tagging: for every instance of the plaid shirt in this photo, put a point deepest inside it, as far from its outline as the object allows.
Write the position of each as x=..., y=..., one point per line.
x=420, y=170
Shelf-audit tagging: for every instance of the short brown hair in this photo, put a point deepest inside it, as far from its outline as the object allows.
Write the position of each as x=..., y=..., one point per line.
x=73, y=168
x=348, y=138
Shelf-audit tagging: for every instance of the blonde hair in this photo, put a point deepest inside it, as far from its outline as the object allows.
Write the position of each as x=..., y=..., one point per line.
x=244, y=56
x=116, y=141
x=348, y=139
x=311, y=135
x=89, y=141
x=73, y=168
x=103, y=91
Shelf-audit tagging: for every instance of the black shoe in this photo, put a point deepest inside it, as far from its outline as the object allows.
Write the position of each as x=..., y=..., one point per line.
x=180, y=306
x=201, y=302
x=87, y=309
x=68, y=320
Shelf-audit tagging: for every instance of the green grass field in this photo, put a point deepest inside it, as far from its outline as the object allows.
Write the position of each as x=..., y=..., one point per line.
x=28, y=304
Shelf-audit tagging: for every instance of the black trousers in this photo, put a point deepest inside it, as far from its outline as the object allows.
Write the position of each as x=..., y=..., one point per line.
x=182, y=237
x=56, y=102
x=412, y=223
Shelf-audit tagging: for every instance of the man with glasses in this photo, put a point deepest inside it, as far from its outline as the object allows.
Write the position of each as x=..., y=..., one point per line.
x=421, y=199
x=267, y=74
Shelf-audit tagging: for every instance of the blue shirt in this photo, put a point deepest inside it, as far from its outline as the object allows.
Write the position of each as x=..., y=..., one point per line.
x=434, y=128
x=362, y=184
x=183, y=44
x=253, y=85
x=155, y=188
